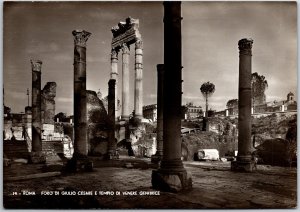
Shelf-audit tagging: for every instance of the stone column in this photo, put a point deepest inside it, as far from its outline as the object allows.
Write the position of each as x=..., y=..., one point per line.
x=171, y=175
x=160, y=100
x=125, y=82
x=112, y=145
x=138, y=92
x=282, y=107
x=114, y=75
x=80, y=109
x=244, y=159
x=36, y=155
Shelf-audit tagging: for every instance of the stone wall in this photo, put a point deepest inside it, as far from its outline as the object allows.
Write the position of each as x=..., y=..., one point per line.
x=191, y=143
x=15, y=149
x=97, y=119
x=48, y=102
x=221, y=126
x=19, y=149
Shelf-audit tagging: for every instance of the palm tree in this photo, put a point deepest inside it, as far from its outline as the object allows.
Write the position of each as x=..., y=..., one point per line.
x=207, y=89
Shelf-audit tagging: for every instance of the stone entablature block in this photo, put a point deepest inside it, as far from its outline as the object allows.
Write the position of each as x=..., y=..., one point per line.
x=125, y=32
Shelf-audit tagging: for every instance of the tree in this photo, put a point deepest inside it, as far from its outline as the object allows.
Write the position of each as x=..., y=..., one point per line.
x=207, y=89
x=259, y=85
x=232, y=103
x=61, y=116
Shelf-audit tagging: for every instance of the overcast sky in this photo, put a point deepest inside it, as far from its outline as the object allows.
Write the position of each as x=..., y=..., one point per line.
x=210, y=33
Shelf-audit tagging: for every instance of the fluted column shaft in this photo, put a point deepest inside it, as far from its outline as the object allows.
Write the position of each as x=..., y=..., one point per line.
x=138, y=92
x=244, y=120
x=125, y=82
x=80, y=109
x=114, y=75
x=36, y=106
x=160, y=104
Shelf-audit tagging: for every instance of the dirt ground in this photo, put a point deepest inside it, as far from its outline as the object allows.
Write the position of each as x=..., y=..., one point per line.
x=214, y=187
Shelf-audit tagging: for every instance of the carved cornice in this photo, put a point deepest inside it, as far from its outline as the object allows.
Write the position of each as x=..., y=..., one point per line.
x=36, y=65
x=125, y=49
x=245, y=46
x=139, y=44
x=125, y=32
x=81, y=37
x=122, y=27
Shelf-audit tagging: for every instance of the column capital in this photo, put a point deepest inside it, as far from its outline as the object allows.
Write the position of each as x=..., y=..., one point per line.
x=245, y=46
x=139, y=44
x=114, y=54
x=36, y=65
x=81, y=37
x=125, y=48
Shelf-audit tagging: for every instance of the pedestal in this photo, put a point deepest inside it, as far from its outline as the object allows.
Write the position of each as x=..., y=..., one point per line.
x=242, y=166
x=171, y=181
x=156, y=158
x=36, y=158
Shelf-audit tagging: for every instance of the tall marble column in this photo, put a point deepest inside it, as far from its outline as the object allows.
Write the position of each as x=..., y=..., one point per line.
x=112, y=144
x=171, y=175
x=159, y=127
x=114, y=75
x=36, y=155
x=125, y=82
x=244, y=159
x=138, y=92
x=80, y=109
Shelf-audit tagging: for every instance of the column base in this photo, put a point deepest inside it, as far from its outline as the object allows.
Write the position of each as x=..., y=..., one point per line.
x=138, y=116
x=243, y=166
x=156, y=158
x=171, y=181
x=79, y=165
x=124, y=118
x=36, y=158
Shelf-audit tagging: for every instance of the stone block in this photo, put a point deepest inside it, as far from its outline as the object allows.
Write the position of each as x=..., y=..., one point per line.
x=128, y=165
x=223, y=159
x=172, y=181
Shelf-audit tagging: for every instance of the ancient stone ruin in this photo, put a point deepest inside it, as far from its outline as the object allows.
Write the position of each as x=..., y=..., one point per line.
x=97, y=120
x=244, y=157
x=48, y=103
x=171, y=175
x=79, y=158
x=125, y=34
